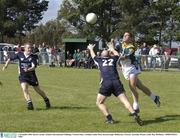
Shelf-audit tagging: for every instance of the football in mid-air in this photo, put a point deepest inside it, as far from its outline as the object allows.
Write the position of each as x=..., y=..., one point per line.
x=91, y=18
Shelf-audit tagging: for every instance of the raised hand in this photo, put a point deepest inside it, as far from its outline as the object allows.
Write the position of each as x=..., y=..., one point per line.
x=91, y=46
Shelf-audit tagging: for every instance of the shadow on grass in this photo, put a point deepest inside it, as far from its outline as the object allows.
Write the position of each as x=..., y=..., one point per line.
x=116, y=122
x=64, y=108
x=162, y=119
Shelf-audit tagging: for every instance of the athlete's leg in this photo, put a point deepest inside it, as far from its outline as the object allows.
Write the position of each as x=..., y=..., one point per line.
x=43, y=95
x=123, y=98
x=100, y=103
x=39, y=91
x=132, y=85
x=102, y=107
x=24, y=87
x=142, y=87
x=148, y=92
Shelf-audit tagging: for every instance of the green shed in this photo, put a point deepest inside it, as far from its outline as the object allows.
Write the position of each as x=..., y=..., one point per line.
x=72, y=44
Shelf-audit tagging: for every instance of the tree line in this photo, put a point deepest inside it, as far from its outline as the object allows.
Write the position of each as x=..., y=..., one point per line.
x=17, y=17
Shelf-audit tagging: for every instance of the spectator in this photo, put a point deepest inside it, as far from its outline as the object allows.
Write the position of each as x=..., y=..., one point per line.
x=178, y=56
x=78, y=58
x=81, y=60
x=138, y=56
x=75, y=58
x=5, y=53
x=44, y=54
x=55, y=53
x=153, y=53
x=62, y=57
x=1, y=55
x=69, y=59
x=167, y=54
x=53, y=56
x=35, y=51
x=162, y=57
x=40, y=53
x=50, y=55
x=87, y=64
x=144, y=57
x=58, y=55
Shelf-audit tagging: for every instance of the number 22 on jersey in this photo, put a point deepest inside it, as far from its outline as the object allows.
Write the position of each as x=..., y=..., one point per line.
x=107, y=62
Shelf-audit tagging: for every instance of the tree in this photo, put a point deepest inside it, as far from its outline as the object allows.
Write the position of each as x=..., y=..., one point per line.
x=51, y=33
x=75, y=11
x=161, y=21
x=19, y=16
x=147, y=20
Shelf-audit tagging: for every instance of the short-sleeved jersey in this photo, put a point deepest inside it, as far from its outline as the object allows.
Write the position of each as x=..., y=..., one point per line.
x=107, y=67
x=25, y=62
x=131, y=61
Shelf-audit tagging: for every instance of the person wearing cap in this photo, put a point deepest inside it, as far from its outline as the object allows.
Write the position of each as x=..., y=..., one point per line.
x=153, y=54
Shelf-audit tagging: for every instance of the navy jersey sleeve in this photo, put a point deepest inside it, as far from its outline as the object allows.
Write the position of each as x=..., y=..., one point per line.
x=97, y=59
x=115, y=58
x=34, y=60
x=14, y=57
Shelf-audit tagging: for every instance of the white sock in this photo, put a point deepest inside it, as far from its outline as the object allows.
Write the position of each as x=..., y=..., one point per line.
x=135, y=106
x=153, y=96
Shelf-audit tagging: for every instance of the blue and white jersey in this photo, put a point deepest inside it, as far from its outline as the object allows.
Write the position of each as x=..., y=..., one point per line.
x=25, y=61
x=107, y=67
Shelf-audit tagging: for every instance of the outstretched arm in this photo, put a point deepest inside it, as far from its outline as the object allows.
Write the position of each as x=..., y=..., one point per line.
x=91, y=47
x=6, y=64
x=112, y=48
x=126, y=56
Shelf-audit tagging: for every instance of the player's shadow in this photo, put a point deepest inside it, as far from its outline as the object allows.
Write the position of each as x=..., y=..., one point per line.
x=64, y=108
x=162, y=119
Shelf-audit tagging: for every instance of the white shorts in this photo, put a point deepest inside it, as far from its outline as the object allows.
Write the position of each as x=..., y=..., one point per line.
x=127, y=71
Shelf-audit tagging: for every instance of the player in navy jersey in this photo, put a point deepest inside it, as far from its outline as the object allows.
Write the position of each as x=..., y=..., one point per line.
x=110, y=83
x=27, y=75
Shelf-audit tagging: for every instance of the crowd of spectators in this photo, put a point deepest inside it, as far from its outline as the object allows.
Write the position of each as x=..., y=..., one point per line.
x=149, y=57
x=46, y=54
x=79, y=59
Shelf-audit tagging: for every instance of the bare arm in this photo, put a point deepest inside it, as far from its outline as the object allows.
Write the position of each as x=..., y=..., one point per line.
x=112, y=48
x=91, y=47
x=126, y=56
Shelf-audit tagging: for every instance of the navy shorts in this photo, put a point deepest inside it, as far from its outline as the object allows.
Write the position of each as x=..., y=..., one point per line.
x=29, y=77
x=109, y=87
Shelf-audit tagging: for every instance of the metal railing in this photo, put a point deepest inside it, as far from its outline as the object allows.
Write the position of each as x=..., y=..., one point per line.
x=159, y=62
x=44, y=58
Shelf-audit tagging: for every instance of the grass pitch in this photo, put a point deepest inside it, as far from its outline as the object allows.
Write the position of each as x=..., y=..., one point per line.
x=73, y=94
